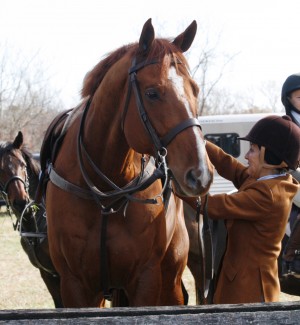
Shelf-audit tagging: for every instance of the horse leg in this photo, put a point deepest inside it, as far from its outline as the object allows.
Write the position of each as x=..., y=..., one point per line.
x=173, y=266
x=77, y=295
x=75, y=291
x=172, y=292
x=52, y=282
x=119, y=298
x=145, y=290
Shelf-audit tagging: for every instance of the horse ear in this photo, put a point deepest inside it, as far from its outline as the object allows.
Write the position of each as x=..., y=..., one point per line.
x=185, y=39
x=147, y=37
x=18, y=141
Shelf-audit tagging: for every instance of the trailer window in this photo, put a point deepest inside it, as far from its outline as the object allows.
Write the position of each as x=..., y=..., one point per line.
x=229, y=142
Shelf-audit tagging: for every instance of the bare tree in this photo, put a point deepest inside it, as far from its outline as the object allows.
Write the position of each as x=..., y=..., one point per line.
x=28, y=102
x=211, y=101
x=271, y=91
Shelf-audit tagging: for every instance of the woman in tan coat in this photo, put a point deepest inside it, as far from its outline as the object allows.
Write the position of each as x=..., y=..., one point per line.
x=257, y=214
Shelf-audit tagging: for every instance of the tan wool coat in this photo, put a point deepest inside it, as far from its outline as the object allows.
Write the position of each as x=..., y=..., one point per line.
x=256, y=218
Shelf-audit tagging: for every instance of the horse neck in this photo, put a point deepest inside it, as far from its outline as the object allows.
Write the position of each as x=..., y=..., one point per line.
x=33, y=184
x=111, y=153
x=33, y=177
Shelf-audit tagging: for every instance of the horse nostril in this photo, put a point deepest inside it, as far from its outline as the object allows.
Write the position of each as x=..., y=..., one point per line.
x=193, y=178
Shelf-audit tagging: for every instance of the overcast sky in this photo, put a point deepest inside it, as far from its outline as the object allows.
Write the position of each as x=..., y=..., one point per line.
x=71, y=36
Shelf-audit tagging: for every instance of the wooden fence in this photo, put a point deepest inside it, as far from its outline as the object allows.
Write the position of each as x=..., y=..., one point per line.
x=268, y=313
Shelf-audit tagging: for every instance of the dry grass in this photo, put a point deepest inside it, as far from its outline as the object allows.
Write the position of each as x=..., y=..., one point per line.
x=21, y=286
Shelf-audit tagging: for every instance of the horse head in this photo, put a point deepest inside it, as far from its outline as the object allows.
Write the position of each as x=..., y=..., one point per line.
x=162, y=119
x=16, y=168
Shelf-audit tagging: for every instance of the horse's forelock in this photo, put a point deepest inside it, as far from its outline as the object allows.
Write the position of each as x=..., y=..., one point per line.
x=162, y=47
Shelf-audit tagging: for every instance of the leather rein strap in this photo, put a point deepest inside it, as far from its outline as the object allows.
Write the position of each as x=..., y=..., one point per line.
x=206, y=247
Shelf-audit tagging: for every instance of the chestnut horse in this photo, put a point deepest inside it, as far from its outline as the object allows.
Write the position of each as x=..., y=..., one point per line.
x=19, y=178
x=113, y=220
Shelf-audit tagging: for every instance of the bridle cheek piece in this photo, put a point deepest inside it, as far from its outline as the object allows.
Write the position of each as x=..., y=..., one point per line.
x=159, y=142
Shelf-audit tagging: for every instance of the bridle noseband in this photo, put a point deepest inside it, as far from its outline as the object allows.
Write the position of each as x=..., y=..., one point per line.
x=4, y=187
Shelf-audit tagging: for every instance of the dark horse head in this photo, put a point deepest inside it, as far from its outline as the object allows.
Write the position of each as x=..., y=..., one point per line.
x=19, y=173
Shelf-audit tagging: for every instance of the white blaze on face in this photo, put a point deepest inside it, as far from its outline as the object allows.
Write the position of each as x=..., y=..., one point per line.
x=177, y=81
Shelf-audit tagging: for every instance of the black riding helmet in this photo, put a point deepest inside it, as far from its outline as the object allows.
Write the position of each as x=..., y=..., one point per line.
x=280, y=136
x=291, y=84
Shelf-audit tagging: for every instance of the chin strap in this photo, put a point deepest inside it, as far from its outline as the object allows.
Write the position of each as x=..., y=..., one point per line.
x=263, y=164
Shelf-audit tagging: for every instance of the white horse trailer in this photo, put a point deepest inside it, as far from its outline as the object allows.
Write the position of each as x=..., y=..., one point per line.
x=224, y=131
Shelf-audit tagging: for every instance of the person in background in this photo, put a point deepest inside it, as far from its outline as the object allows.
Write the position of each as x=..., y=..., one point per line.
x=290, y=97
x=257, y=214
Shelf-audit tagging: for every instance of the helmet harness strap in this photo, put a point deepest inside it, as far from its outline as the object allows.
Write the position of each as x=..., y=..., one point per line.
x=263, y=164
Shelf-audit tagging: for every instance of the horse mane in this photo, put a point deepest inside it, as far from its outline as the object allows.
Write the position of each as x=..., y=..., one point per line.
x=159, y=48
x=33, y=169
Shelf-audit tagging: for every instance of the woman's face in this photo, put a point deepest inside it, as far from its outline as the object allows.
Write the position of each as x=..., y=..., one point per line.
x=252, y=156
x=295, y=99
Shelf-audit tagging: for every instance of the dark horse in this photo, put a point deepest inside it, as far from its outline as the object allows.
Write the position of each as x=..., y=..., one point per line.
x=19, y=177
x=289, y=284
x=114, y=223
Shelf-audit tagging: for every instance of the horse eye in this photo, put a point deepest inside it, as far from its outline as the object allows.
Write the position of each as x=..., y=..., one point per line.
x=152, y=94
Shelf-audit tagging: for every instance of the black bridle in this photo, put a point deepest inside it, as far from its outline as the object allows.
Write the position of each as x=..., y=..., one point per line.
x=4, y=192
x=4, y=187
x=160, y=144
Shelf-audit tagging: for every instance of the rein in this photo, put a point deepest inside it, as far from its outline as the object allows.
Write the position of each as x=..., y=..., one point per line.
x=205, y=247
x=117, y=192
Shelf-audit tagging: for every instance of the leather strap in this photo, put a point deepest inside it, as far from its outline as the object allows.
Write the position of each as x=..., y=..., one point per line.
x=65, y=185
x=177, y=129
